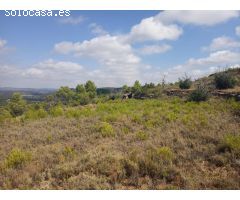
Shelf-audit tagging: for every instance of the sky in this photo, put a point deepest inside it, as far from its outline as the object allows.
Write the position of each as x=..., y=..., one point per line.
x=114, y=48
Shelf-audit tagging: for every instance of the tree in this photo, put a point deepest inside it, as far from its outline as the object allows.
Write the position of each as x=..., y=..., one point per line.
x=65, y=95
x=91, y=89
x=137, y=88
x=125, y=89
x=16, y=105
x=80, y=89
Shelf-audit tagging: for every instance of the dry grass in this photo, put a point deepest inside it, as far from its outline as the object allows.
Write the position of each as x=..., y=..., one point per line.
x=134, y=144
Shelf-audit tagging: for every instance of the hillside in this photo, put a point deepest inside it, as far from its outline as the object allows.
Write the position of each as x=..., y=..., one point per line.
x=132, y=144
x=208, y=80
x=158, y=137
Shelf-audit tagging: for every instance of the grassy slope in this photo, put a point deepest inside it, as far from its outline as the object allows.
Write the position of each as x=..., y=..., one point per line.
x=134, y=144
x=210, y=79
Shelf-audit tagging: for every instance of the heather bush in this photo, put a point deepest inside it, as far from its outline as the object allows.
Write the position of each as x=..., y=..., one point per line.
x=232, y=142
x=224, y=81
x=4, y=114
x=35, y=114
x=17, y=158
x=105, y=129
x=142, y=135
x=56, y=111
x=200, y=94
x=185, y=83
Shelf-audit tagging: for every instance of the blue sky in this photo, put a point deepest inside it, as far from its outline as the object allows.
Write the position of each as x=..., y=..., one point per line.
x=113, y=48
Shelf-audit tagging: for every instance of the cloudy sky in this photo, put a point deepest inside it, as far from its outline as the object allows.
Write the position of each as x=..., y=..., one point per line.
x=113, y=48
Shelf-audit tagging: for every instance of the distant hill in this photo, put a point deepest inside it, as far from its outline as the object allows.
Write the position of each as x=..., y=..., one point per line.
x=30, y=94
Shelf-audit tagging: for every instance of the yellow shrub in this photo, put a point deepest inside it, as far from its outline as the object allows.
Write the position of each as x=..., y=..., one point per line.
x=17, y=158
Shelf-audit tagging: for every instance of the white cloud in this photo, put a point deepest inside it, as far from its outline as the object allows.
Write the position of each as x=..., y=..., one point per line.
x=119, y=64
x=194, y=67
x=194, y=17
x=33, y=72
x=237, y=30
x=154, y=49
x=97, y=29
x=65, y=47
x=71, y=20
x=58, y=66
x=117, y=60
x=222, y=43
x=206, y=65
x=48, y=73
x=152, y=29
x=217, y=58
x=2, y=43
x=50, y=68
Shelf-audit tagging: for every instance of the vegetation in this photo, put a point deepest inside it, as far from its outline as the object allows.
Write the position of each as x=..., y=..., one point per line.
x=133, y=144
x=80, y=139
x=17, y=158
x=16, y=105
x=185, y=82
x=224, y=81
x=200, y=94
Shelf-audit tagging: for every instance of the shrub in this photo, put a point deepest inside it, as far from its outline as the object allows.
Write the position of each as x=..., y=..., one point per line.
x=17, y=158
x=91, y=89
x=156, y=162
x=4, y=114
x=69, y=152
x=56, y=111
x=110, y=166
x=165, y=153
x=65, y=95
x=131, y=168
x=84, y=99
x=232, y=142
x=185, y=83
x=137, y=88
x=200, y=94
x=224, y=81
x=141, y=135
x=73, y=112
x=17, y=105
x=36, y=114
x=106, y=129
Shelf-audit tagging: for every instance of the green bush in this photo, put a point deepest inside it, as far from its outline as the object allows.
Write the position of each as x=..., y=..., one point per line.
x=65, y=95
x=16, y=105
x=84, y=99
x=200, y=94
x=69, y=152
x=232, y=142
x=142, y=135
x=165, y=153
x=4, y=114
x=185, y=83
x=17, y=158
x=73, y=113
x=224, y=81
x=56, y=111
x=106, y=129
x=36, y=114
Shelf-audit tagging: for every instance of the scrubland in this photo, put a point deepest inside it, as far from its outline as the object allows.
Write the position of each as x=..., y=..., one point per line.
x=166, y=143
